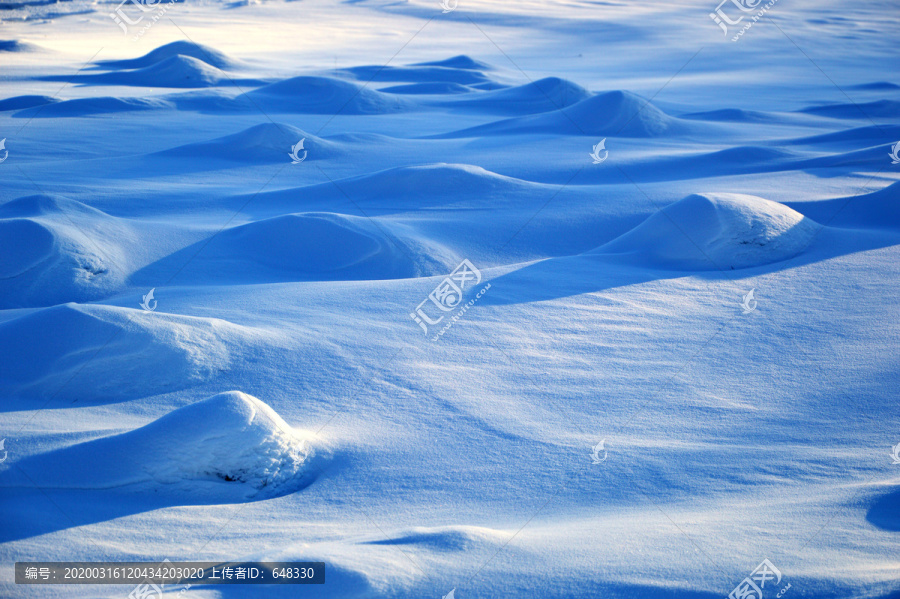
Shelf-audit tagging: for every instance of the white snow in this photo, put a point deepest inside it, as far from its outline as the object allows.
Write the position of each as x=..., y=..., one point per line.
x=278, y=400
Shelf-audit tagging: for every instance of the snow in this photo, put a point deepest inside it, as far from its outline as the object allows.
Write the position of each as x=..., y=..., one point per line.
x=714, y=302
x=722, y=231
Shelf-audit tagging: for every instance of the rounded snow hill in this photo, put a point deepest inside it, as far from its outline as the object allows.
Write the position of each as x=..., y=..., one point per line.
x=715, y=232
x=267, y=142
x=48, y=258
x=544, y=95
x=230, y=445
x=612, y=113
x=90, y=106
x=457, y=62
x=318, y=247
x=23, y=102
x=427, y=89
x=17, y=46
x=90, y=352
x=325, y=95
x=420, y=74
x=208, y=55
x=175, y=71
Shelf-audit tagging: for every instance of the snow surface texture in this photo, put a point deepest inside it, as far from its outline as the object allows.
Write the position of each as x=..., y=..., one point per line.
x=222, y=230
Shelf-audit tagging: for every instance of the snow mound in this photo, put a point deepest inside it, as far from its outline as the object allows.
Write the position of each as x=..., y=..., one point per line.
x=421, y=74
x=877, y=210
x=230, y=439
x=208, y=55
x=611, y=113
x=716, y=231
x=98, y=105
x=17, y=46
x=544, y=95
x=23, y=102
x=457, y=62
x=427, y=89
x=175, y=71
x=418, y=186
x=325, y=95
x=267, y=142
x=318, y=246
x=437, y=179
x=618, y=112
x=74, y=352
x=47, y=256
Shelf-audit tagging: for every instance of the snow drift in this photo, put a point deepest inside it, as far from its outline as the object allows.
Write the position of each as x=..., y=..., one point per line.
x=80, y=352
x=175, y=71
x=716, y=231
x=91, y=106
x=612, y=113
x=316, y=246
x=47, y=256
x=210, y=56
x=267, y=142
x=417, y=74
x=23, y=102
x=544, y=95
x=230, y=444
x=325, y=95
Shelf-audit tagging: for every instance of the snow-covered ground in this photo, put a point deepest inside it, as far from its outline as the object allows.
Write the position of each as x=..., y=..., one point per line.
x=556, y=298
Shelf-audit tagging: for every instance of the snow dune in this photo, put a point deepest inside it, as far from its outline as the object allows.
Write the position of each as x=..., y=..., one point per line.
x=48, y=258
x=720, y=231
x=314, y=246
x=93, y=106
x=231, y=445
x=86, y=352
x=175, y=71
x=419, y=74
x=544, y=95
x=610, y=113
x=325, y=95
x=266, y=142
x=183, y=48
